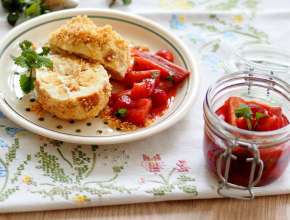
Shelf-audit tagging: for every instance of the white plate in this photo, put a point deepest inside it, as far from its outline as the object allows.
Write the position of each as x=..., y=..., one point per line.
x=137, y=30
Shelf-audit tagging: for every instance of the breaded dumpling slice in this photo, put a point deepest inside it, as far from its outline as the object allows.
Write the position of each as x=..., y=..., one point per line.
x=82, y=37
x=73, y=89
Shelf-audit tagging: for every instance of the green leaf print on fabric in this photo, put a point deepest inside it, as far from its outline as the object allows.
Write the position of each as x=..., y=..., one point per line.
x=251, y=4
x=226, y=5
x=20, y=168
x=51, y=166
x=11, y=170
x=223, y=5
x=80, y=162
x=11, y=155
x=69, y=172
x=180, y=4
x=220, y=28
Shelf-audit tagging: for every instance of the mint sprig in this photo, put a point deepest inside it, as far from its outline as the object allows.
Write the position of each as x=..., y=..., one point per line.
x=246, y=112
x=31, y=60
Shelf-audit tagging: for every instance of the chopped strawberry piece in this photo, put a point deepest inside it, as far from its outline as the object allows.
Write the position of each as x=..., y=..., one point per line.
x=166, y=54
x=139, y=113
x=165, y=85
x=285, y=121
x=269, y=123
x=137, y=76
x=257, y=108
x=123, y=101
x=159, y=98
x=252, y=115
x=116, y=95
x=221, y=112
x=143, y=89
x=231, y=105
x=275, y=111
x=271, y=110
x=242, y=123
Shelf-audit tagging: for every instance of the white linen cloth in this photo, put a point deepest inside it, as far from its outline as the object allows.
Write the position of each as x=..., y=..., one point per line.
x=41, y=174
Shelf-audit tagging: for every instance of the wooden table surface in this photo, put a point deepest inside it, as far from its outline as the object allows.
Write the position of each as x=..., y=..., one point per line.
x=272, y=208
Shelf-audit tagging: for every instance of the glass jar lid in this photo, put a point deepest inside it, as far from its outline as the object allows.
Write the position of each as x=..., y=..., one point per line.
x=262, y=58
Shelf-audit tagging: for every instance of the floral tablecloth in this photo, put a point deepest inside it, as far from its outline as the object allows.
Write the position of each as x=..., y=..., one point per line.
x=41, y=174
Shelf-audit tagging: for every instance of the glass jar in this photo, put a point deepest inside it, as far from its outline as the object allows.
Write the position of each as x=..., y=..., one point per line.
x=241, y=158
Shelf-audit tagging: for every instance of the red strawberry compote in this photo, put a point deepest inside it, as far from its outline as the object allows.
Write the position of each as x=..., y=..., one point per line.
x=147, y=90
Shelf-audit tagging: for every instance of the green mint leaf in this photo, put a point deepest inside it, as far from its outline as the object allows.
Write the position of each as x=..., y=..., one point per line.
x=24, y=45
x=45, y=51
x=44, y=61
x=244, y=111
x=26, y=83
x=121, y=113
x=20, y=61
x=31, y=60
x=260, y=115
x=127, y=2
x=169, y=78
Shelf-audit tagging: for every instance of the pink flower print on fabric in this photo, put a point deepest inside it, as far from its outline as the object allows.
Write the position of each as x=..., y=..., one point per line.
x=182, y=166
x=152, y=164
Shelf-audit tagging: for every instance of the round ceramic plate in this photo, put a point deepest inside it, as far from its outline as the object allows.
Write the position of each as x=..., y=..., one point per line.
x=137, y=30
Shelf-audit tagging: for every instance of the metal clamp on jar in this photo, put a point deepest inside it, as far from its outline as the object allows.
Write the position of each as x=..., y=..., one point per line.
x=243, y=159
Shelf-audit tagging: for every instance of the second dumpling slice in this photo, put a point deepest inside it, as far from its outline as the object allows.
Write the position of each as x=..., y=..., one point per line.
x=73, y=89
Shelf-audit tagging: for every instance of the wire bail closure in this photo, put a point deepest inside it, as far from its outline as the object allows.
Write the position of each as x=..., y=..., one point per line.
x=225, y=187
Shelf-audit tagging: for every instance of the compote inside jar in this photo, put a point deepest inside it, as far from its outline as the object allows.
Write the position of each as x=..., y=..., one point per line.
x=247, y=131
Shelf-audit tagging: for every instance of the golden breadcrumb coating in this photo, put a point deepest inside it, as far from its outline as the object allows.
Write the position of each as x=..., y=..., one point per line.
x=82, y=37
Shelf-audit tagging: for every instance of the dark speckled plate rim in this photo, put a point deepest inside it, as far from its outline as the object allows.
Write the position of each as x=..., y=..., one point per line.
x=162, y=119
